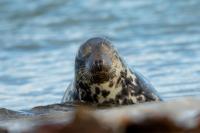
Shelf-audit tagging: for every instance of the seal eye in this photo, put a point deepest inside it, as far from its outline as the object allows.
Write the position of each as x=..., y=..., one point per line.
x=85, y=51
x=105, y=47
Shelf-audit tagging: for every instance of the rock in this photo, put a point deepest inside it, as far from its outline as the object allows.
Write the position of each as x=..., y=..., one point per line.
x=64, y=107
x=3, y=130
x=153, y=125
x=6, y=114
x=83, y=122
x=181, y=116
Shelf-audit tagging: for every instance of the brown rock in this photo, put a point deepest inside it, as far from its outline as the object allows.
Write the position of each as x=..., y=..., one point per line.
x=180, y=116
x=153, y=125
x=83, y=122
x=3, y=130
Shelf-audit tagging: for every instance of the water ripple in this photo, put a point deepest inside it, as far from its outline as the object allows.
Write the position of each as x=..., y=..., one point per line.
x=39, y=40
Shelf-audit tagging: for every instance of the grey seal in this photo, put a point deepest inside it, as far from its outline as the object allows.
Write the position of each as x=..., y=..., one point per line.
x=103, y=77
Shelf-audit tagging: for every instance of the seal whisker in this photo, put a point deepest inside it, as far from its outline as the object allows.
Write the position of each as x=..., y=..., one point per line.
x=85, y=74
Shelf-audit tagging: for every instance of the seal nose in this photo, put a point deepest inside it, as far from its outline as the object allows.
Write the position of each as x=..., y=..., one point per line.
x=98, y=64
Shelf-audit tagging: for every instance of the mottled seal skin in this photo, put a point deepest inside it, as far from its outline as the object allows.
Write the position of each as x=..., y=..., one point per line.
x=102, y=77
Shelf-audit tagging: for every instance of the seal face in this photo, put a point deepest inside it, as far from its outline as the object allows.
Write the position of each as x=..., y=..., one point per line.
x=101, y=76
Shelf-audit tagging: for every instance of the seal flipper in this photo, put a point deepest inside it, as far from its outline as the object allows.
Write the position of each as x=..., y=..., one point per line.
x=147, y=88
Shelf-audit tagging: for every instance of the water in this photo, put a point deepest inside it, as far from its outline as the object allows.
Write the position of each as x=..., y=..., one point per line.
x=39, y=39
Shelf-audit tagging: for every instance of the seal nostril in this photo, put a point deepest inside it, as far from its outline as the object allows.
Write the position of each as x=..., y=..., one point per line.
x=98, y=62
x=101, y=62
x=97, y=65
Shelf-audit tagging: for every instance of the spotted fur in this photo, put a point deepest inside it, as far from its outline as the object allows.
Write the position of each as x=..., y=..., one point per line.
x=107, y=79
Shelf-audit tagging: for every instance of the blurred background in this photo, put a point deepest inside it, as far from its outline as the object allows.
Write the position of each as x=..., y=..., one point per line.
x=39, y=40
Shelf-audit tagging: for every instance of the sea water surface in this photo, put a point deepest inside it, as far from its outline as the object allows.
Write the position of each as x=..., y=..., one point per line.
x=39, y=40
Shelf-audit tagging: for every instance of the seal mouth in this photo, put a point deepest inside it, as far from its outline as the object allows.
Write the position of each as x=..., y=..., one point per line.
x=102, y=76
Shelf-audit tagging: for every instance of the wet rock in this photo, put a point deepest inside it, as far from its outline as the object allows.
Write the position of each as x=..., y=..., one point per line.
x=3, y=130
x=153, y=125
x=83, y=122
x=6, y=114
x=64, y=107
x=182, y=116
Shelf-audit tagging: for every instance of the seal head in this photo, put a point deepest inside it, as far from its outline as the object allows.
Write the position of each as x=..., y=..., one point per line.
x=101, y=76
x=96, y=62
